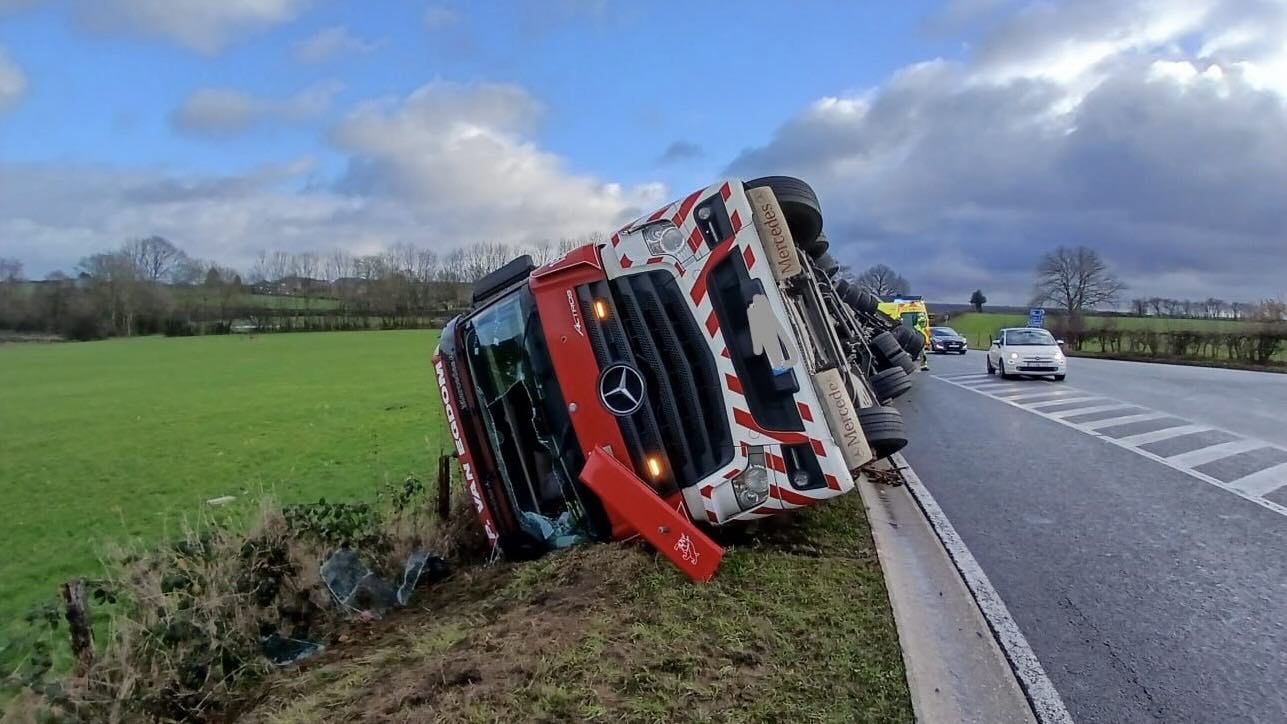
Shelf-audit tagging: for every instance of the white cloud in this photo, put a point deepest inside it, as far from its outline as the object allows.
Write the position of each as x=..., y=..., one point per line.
x=225, y=111
x=13, y=82
x=330, y=43
x=206, y=26
x=446, y=166
x=462, y=153
x=1077, y=123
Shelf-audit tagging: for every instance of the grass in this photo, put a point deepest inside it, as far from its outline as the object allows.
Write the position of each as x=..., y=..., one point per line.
x=977, y=327
x=117, y=440
x=796, y=626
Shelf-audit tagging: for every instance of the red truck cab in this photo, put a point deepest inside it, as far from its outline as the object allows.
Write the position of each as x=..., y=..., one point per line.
x=690, y=355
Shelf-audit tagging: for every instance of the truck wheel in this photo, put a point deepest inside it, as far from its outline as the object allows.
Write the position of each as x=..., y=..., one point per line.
x=891, y=383
x=827, y=264
x=799, y=206
x=883, y=427
x=819, y=247
x=861, y=300
x=905, y=361
x=886, y=346
x=910, y=340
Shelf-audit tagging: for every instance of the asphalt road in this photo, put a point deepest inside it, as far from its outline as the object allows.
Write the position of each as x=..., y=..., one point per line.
x=1134, y=521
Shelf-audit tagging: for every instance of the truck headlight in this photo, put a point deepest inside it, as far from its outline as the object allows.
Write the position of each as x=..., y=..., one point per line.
x=752, y=485
x=663, y=238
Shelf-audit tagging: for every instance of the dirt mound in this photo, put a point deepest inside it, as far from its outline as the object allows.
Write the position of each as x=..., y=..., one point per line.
x=796, y=626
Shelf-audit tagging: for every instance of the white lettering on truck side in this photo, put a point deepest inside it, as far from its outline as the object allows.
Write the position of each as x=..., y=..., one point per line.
x=466, y=465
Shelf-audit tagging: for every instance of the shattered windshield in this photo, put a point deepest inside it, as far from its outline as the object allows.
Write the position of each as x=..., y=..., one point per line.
x=525, y=417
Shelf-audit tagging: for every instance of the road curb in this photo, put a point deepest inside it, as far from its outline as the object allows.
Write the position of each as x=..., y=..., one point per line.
x=956, y=668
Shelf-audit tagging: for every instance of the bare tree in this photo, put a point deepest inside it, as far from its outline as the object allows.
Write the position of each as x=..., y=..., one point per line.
x=339, y=264
x=542, y=252
x=884, y=281
x=453, y=266
x=1139, y=307
x=10, y=269
x=1076, y=280
x=115, y=280
x=309, y=265
x=154, y=257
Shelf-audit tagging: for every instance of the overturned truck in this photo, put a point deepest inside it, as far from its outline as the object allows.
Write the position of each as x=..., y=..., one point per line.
x=704, y=366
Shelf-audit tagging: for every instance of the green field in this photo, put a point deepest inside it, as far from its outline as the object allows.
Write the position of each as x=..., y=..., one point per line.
x=115, y=440
x=977, y=327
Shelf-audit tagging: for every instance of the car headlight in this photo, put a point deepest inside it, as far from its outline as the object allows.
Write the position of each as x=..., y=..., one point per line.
x=1014, y=356
x=1059, y=357
x=752, y=486
x=663, y=238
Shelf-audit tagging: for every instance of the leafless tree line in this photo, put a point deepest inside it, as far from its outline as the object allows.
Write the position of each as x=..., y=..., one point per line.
x=150, y=285
x=1209, y=308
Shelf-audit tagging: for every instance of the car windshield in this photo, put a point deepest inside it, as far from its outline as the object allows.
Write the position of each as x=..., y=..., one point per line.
x=1029, y=338
x=944, y=332
x=523, y=410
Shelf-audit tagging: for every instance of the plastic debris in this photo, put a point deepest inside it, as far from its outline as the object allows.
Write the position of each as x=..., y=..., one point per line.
x=283, y=650
x=356, y=587
x=560, y=532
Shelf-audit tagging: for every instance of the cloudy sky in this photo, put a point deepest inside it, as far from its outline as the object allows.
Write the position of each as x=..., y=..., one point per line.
x=955, y=140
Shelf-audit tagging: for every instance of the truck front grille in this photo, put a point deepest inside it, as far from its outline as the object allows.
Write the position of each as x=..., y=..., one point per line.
x=651, y=327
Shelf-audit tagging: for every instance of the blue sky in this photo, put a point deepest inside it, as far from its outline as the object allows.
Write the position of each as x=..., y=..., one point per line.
x=956, y=140
x=619, y=83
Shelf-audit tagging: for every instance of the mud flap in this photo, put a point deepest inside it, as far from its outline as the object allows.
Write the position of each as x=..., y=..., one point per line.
x=668, y=530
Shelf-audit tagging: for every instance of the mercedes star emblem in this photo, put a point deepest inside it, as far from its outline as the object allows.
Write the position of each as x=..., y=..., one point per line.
x=621, y=389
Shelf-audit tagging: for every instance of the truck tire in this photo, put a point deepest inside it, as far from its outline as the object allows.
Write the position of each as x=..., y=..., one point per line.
x=886, y=346
x=883, y=427
x=905, y=361
x=910, y=339
x=827, y=264
x=890, y=384
x=819, y=247
x=800, y=207
x=841, y=286
x=861, y=300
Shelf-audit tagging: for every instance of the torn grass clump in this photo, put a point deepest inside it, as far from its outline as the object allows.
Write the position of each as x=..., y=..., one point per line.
x=184, y=628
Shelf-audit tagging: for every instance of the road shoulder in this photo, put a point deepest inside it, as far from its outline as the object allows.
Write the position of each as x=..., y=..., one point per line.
x=956, y=671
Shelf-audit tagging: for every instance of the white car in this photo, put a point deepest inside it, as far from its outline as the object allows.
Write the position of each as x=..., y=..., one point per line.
x=1027, y=351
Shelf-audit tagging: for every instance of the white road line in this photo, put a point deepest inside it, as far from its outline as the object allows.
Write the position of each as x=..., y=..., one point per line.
x=1160, y=435
x=991, y=384
x=1080, y=398
x=1110, y=422
x=1212, y=453
x=1046, y=703
x=1087, y=410
x=1169, y=462
x=1012, y=394
x=1262, y=482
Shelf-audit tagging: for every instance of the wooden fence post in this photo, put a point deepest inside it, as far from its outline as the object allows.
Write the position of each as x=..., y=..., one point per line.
x=82, y=636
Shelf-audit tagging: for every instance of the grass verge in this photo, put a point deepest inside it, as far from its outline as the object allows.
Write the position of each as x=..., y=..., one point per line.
x=795, y=627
